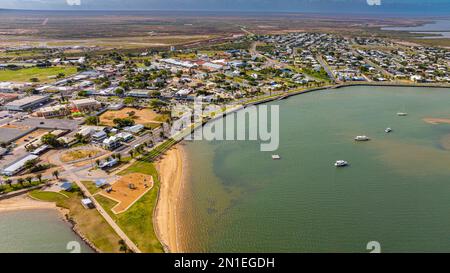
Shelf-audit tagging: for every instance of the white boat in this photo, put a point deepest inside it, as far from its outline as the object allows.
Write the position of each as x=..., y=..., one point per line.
x=402, y=114
x=341, y=163
x=362, y=138
x=388, y=130
x=276, y=157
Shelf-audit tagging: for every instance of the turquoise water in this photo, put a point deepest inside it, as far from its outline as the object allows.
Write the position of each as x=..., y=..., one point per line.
x=396, y=190
x=36, y=231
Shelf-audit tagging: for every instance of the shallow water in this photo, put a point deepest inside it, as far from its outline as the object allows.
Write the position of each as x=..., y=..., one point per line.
x=396, y=190
x=36, y=231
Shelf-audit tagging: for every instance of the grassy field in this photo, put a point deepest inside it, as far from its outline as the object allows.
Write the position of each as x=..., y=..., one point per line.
x=137, y=221
x=90, y=185
x=44, y=75
x=89, y=222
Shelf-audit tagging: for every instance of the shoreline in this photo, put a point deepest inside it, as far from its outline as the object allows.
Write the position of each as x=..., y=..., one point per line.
x=171, y=170
x=25, y=202
x=172, y=167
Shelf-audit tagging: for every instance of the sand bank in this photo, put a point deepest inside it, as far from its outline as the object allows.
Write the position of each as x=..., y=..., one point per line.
x=170, y=169
x=436, y=120
x=23, y=202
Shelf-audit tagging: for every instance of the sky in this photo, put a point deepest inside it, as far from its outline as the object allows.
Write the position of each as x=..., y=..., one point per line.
x=424, y=7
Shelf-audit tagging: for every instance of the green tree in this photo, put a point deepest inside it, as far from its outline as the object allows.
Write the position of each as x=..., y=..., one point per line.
x=29, y=179
x=50, y=140
x=91, y=120
x=39, y=177
x=20, y=181
x=55, y=173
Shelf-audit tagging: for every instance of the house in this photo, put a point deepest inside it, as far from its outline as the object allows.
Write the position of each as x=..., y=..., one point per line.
x=7, y=97
x=109, y=163
x=99, y=136
x=124, y=136
x=111, y=143
x=134, y=129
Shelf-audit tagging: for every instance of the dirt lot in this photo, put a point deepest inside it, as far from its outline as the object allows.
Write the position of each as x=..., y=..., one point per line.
x=73, y=155
x=143, y=116
x=126, y=196
x=31, y=136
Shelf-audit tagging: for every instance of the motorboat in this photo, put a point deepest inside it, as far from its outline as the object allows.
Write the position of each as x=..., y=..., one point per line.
x=388, y=130
x=362, y=138
x=341, y=163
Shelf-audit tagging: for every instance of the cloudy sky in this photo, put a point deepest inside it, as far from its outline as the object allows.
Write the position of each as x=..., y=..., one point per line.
x=423, y=7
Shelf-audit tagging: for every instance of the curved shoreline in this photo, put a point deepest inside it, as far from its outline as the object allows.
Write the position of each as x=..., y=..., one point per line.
x=26, y=202
x=165, y=229
x=171, y=170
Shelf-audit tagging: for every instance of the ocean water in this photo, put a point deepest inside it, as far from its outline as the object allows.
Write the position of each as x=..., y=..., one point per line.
x=441, y=28
x=395, y=191
x=37, y=231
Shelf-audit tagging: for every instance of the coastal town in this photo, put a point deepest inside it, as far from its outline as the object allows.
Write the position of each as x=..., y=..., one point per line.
x=84, y=129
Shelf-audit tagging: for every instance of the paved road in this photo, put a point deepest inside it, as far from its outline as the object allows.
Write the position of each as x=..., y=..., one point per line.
x=326, y=67
x=73, y=177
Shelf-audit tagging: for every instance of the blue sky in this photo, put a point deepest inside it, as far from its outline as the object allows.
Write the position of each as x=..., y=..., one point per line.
x=423, y=7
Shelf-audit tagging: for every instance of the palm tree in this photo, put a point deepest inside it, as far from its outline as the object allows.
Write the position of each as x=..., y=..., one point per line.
x=56, y=174
x=20, y=181
x=131, y=152
x=8, y=182
x=97, y=162
x=39, y=177
x=119, y=156
x=29, y=179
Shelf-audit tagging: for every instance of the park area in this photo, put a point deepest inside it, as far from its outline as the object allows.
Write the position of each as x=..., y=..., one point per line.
x=128, y=189
x=43, y=75
x=140, y=116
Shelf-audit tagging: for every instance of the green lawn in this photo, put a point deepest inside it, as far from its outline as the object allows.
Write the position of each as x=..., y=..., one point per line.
x=43, y=74
x=90, y=185
x=89, y=222
x=137, y=221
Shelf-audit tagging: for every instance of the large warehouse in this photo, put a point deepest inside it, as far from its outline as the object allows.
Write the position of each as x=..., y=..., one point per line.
x=26, y=103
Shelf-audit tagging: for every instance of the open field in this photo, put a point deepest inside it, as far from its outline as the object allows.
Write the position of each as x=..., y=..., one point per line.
x=126, y=196
x=88, y=221
x=137, y=221
x=78, y=154
x=161, y=29
x=142, y=116
x=44, y=75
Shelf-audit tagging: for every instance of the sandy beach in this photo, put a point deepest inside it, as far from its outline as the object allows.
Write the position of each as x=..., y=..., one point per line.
x=170, y=169
x=23, y=202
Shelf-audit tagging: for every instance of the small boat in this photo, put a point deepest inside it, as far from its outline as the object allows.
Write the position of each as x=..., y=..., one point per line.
x=341, y=163
x=362, y=138
x=276, y=157
x=388, y=130
x=402, y=114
